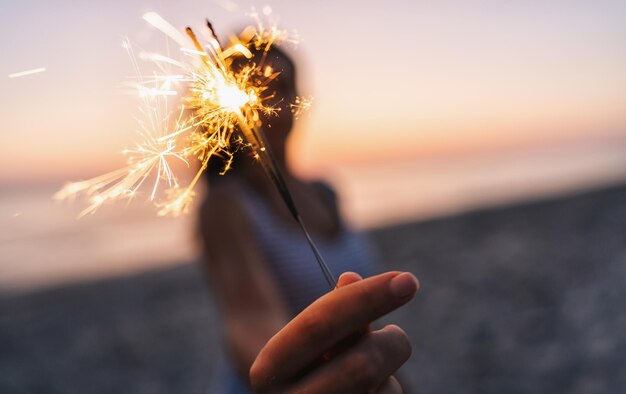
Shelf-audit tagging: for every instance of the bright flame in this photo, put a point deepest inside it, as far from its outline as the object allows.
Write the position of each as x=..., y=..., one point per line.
x=231, y=97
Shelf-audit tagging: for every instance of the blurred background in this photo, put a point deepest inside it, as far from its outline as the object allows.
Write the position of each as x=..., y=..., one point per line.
x=481, y=145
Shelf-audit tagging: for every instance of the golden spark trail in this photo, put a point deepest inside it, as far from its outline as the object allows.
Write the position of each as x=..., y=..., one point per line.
x=215, y=101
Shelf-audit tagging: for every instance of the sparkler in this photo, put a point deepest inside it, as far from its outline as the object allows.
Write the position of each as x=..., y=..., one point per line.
x=220, y=112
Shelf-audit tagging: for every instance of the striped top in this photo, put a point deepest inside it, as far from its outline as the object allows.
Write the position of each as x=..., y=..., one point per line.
x=289, y=258
x=291, y=262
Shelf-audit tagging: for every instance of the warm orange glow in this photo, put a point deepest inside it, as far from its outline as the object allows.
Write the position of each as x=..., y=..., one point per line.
x=515, y=77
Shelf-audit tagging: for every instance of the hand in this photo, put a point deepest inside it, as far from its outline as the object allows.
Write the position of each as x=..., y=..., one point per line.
x=293, y=360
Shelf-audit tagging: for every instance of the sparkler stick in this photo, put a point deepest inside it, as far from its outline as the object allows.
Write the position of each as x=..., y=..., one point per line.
x=268, y=161
x=212, y=31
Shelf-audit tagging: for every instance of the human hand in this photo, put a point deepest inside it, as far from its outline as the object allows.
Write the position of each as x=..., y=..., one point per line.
x=290, y=361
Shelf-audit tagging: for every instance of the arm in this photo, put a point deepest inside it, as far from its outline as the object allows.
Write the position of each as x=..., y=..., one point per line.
x=250, y=307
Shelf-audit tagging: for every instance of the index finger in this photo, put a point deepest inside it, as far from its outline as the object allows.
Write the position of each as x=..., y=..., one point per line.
x=327, y=321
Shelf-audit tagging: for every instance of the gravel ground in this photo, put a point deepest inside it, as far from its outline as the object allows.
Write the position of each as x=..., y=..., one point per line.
x=520, y=299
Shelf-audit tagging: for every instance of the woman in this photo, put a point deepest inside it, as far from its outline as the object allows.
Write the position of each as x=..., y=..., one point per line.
x=259, y=264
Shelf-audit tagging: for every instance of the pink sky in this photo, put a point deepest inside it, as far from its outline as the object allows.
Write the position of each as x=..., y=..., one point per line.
x=422, y=108
x=391, y=80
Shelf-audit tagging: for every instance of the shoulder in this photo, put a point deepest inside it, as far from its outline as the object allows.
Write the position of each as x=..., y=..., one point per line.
x=327, y=194
x=325, y=189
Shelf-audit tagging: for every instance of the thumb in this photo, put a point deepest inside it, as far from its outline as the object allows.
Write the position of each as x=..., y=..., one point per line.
x=348, y=278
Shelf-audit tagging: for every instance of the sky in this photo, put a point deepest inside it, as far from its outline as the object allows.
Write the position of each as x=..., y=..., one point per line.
x=421, y=109
x=391, y=80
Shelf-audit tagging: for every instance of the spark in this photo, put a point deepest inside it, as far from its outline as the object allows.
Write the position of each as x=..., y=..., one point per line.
x=157, y=21
x=27, y=72
x=301, y=105
x=222, y=92
x=212, y=99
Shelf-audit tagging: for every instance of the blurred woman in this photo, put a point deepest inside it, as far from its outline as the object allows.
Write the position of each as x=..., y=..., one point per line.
x=259, y=265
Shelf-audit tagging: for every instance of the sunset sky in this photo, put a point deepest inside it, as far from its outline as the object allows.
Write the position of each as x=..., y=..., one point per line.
x=392, y=80
x=421, y=109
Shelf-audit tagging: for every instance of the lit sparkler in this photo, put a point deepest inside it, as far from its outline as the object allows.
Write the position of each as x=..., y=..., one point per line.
x=219, y=101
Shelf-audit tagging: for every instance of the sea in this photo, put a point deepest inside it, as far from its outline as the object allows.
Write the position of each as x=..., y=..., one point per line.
x=43, y=242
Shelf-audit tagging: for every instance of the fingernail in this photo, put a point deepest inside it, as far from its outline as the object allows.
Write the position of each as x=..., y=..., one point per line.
x=403, y=285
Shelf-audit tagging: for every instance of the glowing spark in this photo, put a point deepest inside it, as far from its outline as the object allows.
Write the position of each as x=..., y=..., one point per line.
x=215, y=99
x=27, y=72
x=157, y=21
x=231, y=98
x=219, y=98
x=300, y=106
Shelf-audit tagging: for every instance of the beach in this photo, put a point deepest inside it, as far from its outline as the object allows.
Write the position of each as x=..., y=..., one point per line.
x=523, y=298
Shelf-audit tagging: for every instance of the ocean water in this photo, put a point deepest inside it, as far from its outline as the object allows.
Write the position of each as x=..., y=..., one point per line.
x=43, y=242
x=388, y=193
